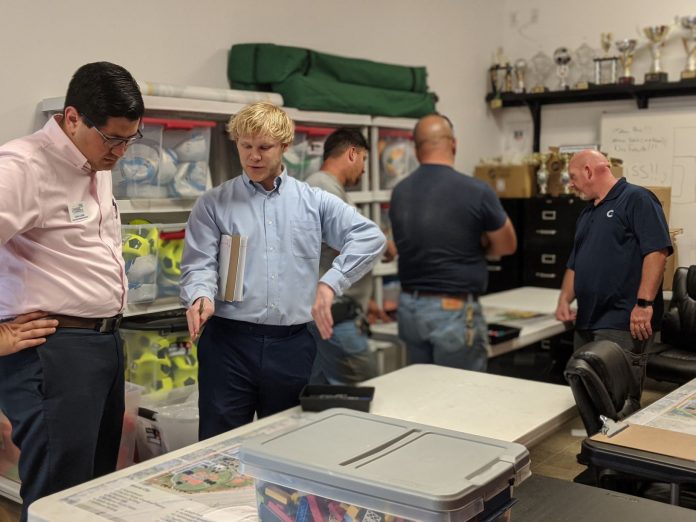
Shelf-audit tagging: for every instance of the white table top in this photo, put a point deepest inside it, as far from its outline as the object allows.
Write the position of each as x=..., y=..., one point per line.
x=529, y=308
x=484, y=404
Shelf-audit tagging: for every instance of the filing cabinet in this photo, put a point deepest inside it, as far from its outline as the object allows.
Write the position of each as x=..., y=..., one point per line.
x=505, y=272
x=548, y=239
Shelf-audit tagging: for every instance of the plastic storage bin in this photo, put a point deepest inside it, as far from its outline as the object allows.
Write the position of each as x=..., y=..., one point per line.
x=305, y=156
x=140, y=248
x=357, y=466
x=151, y=435
x=158, y=352
x=171, y=161
x=126, y=451
x=397, y=156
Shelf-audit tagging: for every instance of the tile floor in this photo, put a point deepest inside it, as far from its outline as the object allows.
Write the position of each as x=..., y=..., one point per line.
x=552, y=457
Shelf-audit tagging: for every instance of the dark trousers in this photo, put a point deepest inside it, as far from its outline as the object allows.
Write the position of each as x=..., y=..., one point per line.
x=246, y=368
x=65, y=402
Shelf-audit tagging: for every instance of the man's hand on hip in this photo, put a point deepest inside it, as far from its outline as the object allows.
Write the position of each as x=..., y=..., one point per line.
x=25, y=331
x=321, y=310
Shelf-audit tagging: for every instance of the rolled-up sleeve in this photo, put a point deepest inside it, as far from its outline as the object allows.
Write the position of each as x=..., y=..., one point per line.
x=359, y=241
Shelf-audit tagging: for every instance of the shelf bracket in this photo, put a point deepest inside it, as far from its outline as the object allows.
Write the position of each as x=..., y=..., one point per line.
x=535, y=109
x=642, y=101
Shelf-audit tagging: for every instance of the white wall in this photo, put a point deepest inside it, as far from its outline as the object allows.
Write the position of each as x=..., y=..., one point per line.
x=185, y=42
x=530, y=26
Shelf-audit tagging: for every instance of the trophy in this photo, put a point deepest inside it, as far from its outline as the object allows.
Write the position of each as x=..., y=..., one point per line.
x=565, y=174
x=507, y=79
x=689, y=23
x=542, y=175
x=657, y=34
x=584, y=55
x=602, y=62
x=520, y=69
x=626, y=47
x=562, y=58
x=541, y=68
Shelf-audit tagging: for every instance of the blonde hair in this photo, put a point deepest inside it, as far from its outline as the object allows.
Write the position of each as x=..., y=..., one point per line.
x=262, y=119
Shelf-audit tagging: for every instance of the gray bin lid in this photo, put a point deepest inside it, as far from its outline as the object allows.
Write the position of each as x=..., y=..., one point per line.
x=387, y=460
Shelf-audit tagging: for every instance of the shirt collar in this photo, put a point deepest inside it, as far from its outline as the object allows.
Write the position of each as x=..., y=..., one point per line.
x=65, y=145
x=615, y=191
x=256, y=187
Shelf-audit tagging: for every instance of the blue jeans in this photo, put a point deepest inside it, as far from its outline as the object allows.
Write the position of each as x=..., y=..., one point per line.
x=437, y=333
x=344, y=358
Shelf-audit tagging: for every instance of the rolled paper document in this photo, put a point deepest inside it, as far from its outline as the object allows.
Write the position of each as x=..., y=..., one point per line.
x=208, y=93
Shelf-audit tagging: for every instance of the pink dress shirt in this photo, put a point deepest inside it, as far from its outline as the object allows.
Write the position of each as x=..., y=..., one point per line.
x=60, y=232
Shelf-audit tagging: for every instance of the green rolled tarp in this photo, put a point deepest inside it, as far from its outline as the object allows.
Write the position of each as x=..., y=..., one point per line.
x=319, y=81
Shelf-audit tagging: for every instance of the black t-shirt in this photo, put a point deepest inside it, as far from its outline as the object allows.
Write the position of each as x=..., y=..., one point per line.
x=438, y=216
x=611, y=240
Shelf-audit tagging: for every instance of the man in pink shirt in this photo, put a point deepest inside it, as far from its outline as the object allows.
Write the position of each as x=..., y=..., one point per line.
x=60, y=253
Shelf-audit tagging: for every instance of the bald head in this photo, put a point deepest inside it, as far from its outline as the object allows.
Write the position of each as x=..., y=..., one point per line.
x=590, y=174
x=435, y=142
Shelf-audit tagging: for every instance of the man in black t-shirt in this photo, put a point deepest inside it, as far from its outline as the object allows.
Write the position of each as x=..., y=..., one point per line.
x=615, y=268
x=444, y=224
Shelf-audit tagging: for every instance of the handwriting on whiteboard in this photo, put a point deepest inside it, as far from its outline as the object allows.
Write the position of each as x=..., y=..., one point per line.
x=636, y=139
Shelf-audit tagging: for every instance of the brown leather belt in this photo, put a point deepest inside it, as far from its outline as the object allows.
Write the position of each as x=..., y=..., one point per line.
x=105, y=325
x=420, y=293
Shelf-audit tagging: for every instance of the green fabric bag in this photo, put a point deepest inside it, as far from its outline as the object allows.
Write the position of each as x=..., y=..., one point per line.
x=323, y=94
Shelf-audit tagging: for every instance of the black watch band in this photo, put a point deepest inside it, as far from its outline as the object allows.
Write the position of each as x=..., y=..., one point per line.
x=644, y=303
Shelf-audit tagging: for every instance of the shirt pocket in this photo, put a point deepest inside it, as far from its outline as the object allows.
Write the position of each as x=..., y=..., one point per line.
x=306, y=239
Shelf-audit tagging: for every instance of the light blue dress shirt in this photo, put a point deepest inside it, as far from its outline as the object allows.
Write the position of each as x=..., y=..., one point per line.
x=285, y=229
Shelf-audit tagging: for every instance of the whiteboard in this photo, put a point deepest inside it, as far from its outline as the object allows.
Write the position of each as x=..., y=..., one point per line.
x=658, y=148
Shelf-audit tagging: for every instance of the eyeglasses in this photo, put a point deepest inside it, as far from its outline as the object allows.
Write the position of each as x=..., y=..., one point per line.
x=112, y=141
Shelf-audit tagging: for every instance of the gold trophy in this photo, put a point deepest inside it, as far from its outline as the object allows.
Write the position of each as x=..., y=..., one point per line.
x=626, y=47
x=689, y=23
x=604, y=62
x=657, y=34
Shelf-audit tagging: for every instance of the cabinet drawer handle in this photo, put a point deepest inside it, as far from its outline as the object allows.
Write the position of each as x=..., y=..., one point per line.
x=495, y=268
x=548, y=215
x=548, y=259
x=545, y=275
x=546, y=231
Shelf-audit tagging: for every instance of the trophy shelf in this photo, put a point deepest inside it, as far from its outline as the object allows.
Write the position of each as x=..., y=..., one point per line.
x=641, y=93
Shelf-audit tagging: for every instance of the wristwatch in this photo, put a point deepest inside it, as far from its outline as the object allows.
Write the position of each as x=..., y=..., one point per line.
x=644, y=303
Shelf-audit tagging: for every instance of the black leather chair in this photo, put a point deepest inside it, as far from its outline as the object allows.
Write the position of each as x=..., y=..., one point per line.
x=602, y=383
x=674, y=358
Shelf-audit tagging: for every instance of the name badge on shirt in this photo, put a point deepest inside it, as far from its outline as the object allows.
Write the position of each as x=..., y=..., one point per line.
x=78, y=211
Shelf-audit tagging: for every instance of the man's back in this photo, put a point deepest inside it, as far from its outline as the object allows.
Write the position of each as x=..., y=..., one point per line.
x=438, y=217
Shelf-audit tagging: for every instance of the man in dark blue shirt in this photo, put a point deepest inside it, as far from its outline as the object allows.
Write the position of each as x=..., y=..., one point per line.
x=444, y=224
x=615, y=269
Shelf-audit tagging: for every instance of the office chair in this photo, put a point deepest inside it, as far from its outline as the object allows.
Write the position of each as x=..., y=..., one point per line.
x=674, y=358
x=602, y=383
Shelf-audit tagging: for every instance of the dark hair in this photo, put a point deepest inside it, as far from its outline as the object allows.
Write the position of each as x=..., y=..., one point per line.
x=103, y=90
x=342, y=138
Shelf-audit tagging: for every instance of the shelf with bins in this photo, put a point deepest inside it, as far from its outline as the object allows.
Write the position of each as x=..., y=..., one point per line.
x=641, y=93
x=371, y=196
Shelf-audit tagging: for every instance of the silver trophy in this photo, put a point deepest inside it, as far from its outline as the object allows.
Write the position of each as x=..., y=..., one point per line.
x=565, y=174
x=689, y=23
x=657, y=34
x=605, y=66
x=542, y=66
x=583, y=60
x=520, y=69
x=627, y=47
x=542, y=175
x=562, y=58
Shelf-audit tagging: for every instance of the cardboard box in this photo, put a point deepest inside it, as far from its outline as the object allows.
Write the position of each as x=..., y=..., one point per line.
x=664, y=195
x=509, y=181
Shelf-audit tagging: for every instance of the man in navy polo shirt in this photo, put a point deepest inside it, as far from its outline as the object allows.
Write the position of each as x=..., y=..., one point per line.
x=618, y=259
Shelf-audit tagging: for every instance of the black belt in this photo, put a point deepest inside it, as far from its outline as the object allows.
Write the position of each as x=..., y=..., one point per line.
x=269, y=330
x=464, y=296
x=103, y=325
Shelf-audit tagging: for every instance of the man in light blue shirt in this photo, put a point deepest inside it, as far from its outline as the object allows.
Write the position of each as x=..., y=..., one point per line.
x=256, y=354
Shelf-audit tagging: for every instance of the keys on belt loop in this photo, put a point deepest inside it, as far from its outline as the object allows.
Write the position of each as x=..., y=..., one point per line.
x=469, y=325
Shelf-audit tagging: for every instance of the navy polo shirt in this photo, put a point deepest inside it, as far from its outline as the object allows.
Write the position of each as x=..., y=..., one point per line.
x=611, y=240
x=438, y=216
